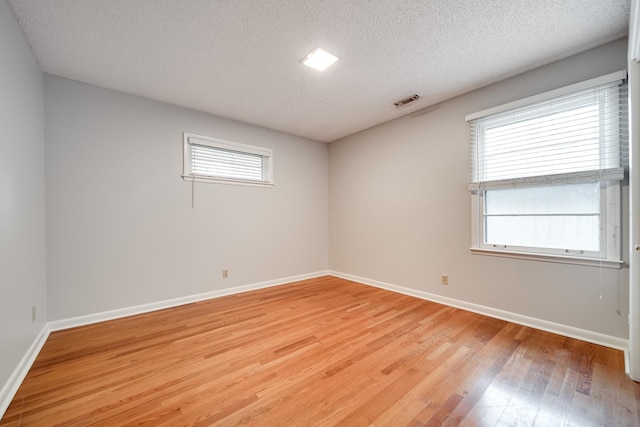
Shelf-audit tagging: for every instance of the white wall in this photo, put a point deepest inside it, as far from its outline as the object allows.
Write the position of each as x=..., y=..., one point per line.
x=120, y=227
x=400, y=211
x=22, y=198
x=634, y=214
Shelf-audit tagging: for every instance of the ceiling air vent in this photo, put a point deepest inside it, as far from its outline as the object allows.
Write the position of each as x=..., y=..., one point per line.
x=405, y=102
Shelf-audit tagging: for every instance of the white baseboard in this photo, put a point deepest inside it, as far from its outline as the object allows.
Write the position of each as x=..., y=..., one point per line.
x=58, y=325
x=11, y=387
x=556, y=328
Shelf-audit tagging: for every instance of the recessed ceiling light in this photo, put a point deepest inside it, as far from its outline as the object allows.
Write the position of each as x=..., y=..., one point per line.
x=319, y=59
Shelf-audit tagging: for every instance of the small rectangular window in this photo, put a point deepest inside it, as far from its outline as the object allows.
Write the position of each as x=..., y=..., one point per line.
x=546, y=173
x=214, y=160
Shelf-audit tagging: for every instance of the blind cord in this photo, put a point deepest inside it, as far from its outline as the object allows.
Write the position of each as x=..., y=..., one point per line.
x=603, y=231
x=193, y=193
x=601, y=281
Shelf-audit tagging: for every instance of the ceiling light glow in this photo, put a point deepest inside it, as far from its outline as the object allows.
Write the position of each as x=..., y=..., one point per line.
x=319, y=59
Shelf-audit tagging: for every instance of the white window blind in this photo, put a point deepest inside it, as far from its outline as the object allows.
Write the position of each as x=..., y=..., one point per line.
x=572, y=138
x=210, y=159
x=216, y=162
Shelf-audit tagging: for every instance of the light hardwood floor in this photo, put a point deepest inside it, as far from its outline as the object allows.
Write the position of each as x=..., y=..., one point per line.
x=321, y=352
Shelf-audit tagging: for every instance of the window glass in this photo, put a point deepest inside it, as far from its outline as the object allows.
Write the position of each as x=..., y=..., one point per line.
x=560, y=217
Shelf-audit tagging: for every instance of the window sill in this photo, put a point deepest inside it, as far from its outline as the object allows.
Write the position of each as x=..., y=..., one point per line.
x=593, y=262
x=189, y=178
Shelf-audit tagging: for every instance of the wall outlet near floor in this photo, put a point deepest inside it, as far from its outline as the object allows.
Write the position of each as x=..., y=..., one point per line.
x=33, y=313
x=225, y=274
x=444, y=279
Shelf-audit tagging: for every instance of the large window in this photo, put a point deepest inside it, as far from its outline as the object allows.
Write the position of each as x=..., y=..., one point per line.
x=215, y=160
x=546, y=173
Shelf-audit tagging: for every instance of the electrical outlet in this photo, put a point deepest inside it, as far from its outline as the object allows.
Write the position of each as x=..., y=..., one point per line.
x=33, y=313
x=444, y=279
x=225, y=274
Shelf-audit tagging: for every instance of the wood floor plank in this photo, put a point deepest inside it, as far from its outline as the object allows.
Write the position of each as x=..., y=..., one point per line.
x=321, y=352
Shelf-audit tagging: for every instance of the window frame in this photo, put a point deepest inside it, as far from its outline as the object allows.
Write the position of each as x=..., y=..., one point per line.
x=191, y=139
x=610, y=200
x=610, y=238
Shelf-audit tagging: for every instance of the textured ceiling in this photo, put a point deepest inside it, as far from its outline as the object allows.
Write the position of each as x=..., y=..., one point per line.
x=240, y=58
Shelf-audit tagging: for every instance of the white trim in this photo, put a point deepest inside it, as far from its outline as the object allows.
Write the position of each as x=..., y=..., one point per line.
x=192, y=138
x=634, y=32
x=532, y=322
x=210, y=180
x=562, y=259
x=566, y=90
x=10, y=388
x=598, y=175
x=73, y=322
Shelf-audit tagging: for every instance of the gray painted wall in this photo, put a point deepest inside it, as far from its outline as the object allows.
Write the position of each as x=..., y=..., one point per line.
x=120, y=227
x=388, y=204
x=22, y=195
x=400, y=211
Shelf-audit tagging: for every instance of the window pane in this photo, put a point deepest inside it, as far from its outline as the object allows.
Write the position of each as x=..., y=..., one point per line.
x=553, y=199
x=565, y=232
x=557, y=217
